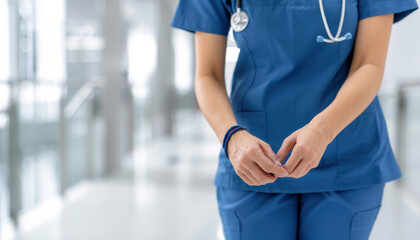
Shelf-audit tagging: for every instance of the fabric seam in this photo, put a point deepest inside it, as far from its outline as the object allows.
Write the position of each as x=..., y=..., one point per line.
x=363, y=211
x=253, y=75
x=186, y=24
x=368, y=8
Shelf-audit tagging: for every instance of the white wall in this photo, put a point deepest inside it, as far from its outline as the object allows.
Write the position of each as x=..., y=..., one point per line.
x=403, y=60
x=50, y=27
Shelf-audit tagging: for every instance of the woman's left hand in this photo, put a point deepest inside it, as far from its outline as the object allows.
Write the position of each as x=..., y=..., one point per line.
x=308, y=146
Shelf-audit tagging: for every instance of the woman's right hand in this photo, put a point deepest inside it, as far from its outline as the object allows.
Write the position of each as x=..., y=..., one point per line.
x=253, y=159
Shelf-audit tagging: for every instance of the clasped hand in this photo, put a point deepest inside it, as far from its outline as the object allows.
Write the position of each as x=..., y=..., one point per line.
x=256, y=164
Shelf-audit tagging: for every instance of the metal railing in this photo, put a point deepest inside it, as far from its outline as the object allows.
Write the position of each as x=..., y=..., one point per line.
x=67, y=109
x=80, y=97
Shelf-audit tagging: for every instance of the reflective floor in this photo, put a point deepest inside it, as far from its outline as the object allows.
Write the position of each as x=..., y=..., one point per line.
x=170, y=195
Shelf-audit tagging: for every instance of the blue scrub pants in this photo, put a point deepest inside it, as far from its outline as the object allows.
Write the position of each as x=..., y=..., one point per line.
x=250, y=215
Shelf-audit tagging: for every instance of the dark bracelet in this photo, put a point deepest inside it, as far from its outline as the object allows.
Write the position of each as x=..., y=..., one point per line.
x=228, y=134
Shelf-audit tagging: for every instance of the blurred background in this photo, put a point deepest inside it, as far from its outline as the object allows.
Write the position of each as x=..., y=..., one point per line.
x=101, y=136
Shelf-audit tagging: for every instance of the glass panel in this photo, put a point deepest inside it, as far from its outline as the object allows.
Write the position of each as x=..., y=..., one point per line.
x=84, y=46
x=389, y=103
x=26, y=28
x=98, y=134
x=38, y=140
x=42, y=62
x=412, y=142
x=4, y=148
x=85, y=145
x=77, y=144
x=4, y=40
x=4, y=166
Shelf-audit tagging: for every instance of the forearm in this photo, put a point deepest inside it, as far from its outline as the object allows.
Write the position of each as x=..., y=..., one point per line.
x=355, y=95
x=215, y=105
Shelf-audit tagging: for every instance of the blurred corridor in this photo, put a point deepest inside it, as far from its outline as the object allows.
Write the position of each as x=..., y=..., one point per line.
x=101, y=136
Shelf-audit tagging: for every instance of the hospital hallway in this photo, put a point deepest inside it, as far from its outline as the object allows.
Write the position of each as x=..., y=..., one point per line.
x=101, y=136
x=171, y=196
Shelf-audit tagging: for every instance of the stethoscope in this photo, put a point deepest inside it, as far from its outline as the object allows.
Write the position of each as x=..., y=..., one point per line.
x=239, y=21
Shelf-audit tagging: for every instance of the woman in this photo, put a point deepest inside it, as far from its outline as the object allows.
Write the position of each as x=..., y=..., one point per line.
x=309, y=155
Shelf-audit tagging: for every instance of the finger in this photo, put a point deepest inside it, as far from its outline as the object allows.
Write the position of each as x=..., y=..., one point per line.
x=268, y=151
x=258, y=176
x=294, y=159
x=261, y=175
x=266, y=148
x=245, y=178
x=286, y=147
x=315, y=164
x=270, y=167
x=240, y=171
x=308, y=168
x=254, y=180
x=300, y=169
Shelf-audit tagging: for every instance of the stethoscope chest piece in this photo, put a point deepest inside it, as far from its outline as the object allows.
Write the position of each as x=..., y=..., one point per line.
x=239, y=21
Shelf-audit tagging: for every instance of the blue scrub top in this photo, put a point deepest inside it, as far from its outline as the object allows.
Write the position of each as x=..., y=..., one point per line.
x=283, y=78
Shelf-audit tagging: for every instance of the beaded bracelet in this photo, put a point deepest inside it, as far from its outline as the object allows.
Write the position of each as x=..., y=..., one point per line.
x=228, y=134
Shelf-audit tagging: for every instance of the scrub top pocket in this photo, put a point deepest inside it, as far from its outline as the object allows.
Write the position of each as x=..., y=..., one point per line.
x=357, y=142
x=255, y=122
x=358, y=135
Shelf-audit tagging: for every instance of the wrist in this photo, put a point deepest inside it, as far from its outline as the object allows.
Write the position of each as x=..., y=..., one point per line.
x=237, y=134
x=322, y=126
x=235, y=137
x=229, y=133
x=223, y=129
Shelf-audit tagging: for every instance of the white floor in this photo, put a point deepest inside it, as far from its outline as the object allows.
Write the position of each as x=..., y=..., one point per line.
x=171, y=196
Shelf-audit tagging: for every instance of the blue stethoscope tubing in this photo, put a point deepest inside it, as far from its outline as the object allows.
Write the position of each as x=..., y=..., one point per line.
x=240, y=19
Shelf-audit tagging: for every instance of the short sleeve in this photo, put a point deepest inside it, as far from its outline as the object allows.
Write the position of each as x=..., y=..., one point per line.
x=211, y=16
x=400, y=8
